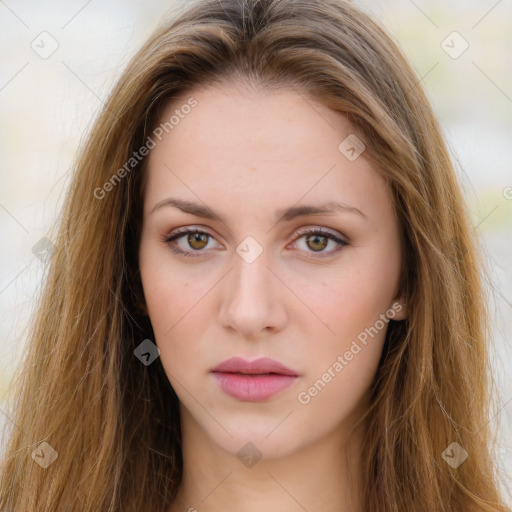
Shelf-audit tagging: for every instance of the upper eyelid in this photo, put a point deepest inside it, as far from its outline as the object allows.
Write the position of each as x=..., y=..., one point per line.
x=339, y=238
x=186, y=231
x=325, y=231
x=201, y=230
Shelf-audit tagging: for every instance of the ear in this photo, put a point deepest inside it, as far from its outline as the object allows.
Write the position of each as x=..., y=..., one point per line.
x=397, y=310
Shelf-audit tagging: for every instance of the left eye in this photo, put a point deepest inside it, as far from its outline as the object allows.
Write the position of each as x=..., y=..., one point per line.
x=315, y=240
x=318, y=240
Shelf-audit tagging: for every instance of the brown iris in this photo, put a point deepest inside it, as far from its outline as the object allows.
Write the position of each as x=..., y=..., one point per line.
x=318, y=242
x=201, y=239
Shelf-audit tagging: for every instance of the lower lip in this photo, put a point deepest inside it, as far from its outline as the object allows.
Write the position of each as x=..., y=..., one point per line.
x=253, y=388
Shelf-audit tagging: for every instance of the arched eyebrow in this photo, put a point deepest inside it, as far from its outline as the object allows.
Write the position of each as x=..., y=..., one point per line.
x=283, y=215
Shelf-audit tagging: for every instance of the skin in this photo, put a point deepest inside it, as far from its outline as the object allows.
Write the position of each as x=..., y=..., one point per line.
x=246, y=153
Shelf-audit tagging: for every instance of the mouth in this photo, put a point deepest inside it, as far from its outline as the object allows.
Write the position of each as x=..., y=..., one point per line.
x=253, y=381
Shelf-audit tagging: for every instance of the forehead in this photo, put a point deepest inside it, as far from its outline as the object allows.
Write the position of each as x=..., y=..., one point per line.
x=242, y=144
x=239, y=118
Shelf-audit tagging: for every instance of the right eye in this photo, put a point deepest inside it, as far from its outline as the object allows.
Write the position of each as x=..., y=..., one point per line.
x=193, y=241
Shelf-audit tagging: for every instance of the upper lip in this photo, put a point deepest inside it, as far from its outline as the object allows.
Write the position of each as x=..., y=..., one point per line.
x=256, y=367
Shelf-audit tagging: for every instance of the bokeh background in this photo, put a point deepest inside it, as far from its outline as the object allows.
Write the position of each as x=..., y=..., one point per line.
x=59, y=58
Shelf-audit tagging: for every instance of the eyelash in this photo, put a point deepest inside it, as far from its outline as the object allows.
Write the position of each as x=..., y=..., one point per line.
x=186, y=231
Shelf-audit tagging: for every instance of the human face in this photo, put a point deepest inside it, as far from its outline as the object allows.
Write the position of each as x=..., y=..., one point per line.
x=304, y=302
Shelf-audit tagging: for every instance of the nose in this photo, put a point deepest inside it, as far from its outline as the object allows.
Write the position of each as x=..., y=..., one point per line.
x=253, y=299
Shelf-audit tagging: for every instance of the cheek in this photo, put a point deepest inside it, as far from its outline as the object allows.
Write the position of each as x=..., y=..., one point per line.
x=176, y=313
x=342, y=366
x=351, y=304
x=171, y=293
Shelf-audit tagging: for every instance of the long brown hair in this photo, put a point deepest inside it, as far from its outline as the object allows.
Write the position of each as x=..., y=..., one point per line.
x=113, y=421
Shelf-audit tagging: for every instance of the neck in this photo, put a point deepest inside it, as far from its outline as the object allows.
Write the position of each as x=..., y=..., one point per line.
x=324, y=476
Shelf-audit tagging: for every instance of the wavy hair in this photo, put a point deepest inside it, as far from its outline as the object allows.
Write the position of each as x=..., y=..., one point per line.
x=113, y=421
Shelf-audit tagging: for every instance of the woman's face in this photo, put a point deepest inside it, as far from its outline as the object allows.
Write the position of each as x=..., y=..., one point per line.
x=250, y=170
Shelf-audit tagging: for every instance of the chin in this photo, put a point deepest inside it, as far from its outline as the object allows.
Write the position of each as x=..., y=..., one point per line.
x=256, y=444
x=267, y=438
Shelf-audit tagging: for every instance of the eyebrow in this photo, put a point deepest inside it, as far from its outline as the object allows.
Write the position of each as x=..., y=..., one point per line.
x=286, y=214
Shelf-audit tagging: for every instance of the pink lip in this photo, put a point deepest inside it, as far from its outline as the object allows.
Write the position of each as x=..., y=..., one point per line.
x=253, y=381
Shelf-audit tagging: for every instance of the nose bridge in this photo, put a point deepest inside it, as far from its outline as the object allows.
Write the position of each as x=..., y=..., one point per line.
x=250, y=281
x=252, y=302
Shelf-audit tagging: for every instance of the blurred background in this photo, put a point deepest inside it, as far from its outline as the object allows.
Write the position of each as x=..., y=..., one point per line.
x=59, y=59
